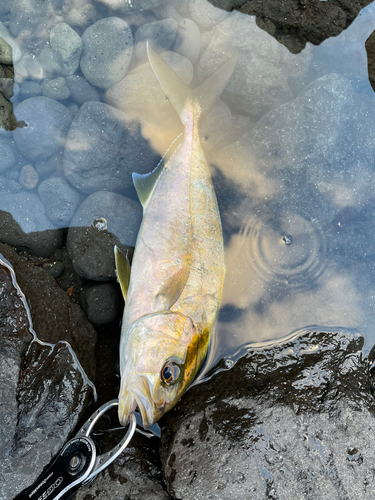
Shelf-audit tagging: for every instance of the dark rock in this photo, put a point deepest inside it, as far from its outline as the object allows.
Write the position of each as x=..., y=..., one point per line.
x=59, y=199
x=103, y=220
x=55, y=316
x=47, y=123
x=107, y=50
x=80, y=89
x=101, y=302
x=104, y=148
x=36, y=419
x=370, y=49
x=24, y=224
x=295, y=22
x=291, y=421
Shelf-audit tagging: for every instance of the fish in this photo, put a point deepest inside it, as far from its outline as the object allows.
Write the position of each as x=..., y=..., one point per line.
x=173, y=288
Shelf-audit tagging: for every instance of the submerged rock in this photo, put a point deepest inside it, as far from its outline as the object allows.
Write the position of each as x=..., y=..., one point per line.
x=43, y=393
x=291, y=421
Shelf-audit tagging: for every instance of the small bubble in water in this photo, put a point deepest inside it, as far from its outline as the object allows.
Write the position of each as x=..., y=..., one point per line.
x=100, y=224
x=228, y=363
x=287, y=239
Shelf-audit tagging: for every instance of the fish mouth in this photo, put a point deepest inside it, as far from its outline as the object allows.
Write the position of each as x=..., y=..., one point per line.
x=129, y=401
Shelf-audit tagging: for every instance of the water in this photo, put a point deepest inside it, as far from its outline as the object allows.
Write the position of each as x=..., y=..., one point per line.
x=291, y=144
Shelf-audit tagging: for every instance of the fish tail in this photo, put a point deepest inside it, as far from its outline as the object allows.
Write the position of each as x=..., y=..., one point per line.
x=180, y=96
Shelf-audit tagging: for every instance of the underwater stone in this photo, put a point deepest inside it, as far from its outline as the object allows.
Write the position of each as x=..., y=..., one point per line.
x=159, y=34
x=81, y=90
x=104, y=148
x=50, y=165
x=68, y=45
x=55, y=89
x=60, y=200
x=47, y=123
x=30, y=89
x=188, y=40
x=7, y=37
x=7, y=155
x=29, y=177
x=107, y=50
x=101, y=302
x=285, y=419
x=5, y=52
x=82, y=17
x=205, y=14
x=27, y=16
x=103, y=220
x=128, y=7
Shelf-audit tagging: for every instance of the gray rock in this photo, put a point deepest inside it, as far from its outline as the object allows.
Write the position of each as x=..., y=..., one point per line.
x=36, y=421
x=30, y=89
x=291, y=421
x=7, y=155
x=29, y=177
x=5, y=35
x=188, y=40
x=126, y=7
x=50, y=165
x=103, y=220
x=24, y=223
x=55, y=89
x=81, y=90
x=107, y=50
x=27, y=16
x=68, y=45
x=5, y=52
x=103, y=149
x=101, y=302
x=160, y=35
x=6, y=87
x=59, y=199
x=47, y=123
x=9, y=185
x=50, y=62
x=82, y=17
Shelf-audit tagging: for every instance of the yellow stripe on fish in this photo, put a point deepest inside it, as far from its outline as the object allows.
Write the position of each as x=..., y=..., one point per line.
x=174, y=287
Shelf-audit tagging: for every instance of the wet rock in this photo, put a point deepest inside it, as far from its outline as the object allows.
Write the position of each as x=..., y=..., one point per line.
x=135, y=474
x=80, y=89
x=293, y=23
x=5, y=52
x=9, y=185
x=47, y=123
x=29, y=177
x=36, y=420
x=59, y=199
x=30, y=89
x=126, y=7
x=68, y=46
x=50, y=165
x=291, y=421
x=101, y=302
x=107, y=50
x=6, y=87
x=159, y=34
x=8, y=121
x=7, y=37
x=7, y=155
x=83, y=16
x=205, y=14
x=103, y=220
x=104, y=148
x=24, y=223
x=188, y=40
x=55, y=89
x=27, y=16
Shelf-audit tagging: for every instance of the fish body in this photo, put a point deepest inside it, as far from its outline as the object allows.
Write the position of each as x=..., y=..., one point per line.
x=177, y=273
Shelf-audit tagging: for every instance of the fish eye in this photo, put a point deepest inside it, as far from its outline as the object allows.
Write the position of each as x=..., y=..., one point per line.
x=170, y=373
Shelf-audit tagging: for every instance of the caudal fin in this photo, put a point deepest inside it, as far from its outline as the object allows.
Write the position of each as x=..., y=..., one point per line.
x=178, y=93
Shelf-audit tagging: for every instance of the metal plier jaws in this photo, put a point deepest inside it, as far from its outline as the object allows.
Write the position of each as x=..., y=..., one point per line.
x=77, y=463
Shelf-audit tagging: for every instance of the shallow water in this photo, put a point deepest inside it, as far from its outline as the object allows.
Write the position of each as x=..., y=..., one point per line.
x=291, y=143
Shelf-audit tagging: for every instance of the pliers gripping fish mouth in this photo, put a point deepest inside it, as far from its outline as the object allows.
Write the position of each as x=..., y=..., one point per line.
x=78, y=463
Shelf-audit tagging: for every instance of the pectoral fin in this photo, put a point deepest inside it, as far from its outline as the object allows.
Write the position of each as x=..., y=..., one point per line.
x=123, y=271
x=145, y=183
x=172, y=288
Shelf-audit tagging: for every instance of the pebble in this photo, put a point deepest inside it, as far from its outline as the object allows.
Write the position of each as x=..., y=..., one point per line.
x=55, y=89
x=59, y=199
x=30, y=89
x=68, y=45
x=50, y=165
x=188, y=40
x=27, y=17
x=103, y=220
x=159, y=34
x=47, y=122
x=81, y=90
x=107, y=51
x=83, y=16
x=9, y=185
x=29, y=177
x=103, y=149
x=101, y=302
x=7, y=155
x=205, y=14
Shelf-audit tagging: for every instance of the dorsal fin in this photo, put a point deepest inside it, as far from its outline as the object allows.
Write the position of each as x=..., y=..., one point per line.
x=177, y=92
x=122, y=271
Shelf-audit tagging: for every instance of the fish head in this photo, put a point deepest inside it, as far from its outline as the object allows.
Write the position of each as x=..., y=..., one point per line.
x=159, y=360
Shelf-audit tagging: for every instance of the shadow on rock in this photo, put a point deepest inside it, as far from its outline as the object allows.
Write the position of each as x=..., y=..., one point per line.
x=283, y=423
